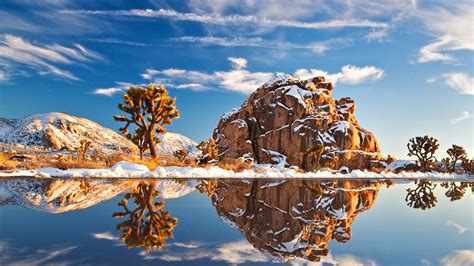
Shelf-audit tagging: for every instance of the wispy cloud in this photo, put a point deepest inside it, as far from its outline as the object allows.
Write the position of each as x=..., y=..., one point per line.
x=463, y=83
x=463, y=116
x=459, y=258
x=316, y=47
x=44, y=58
x=120, y=86
x=237, y=79
x=117, y=41
x=451, y=28
x=234, y=19
x=11, y=255
x=459, y=228
x=349, y=74
x=3, y=76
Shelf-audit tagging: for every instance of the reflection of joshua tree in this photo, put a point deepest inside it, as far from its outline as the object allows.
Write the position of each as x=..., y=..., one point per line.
x=207, y=186
x=454, y=192
x=148, y=224
x=422, y=197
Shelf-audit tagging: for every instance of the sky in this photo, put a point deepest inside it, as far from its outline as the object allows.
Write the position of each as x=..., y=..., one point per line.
x=407, y=64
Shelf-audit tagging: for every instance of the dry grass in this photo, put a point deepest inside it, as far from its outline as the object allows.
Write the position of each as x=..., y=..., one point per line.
x=68, y=161
x=6, y=163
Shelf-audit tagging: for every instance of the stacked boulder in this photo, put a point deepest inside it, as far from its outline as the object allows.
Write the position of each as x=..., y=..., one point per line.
x=284, y=119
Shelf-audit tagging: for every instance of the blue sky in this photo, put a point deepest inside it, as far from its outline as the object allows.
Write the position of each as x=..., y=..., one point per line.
x=407, y=64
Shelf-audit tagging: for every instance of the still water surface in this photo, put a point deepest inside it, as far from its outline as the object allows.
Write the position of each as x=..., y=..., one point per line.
x=207, y=222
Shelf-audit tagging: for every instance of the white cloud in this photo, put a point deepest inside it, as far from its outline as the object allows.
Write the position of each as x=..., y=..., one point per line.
x=117, y=41
x=238, y=62
x=432, y=80
x=237, y=79
x=463, y=116
x=120, y=86
x=453, y=29
x=316, y=47
x=3, y=76
x=349, y=74
x=190, y=86
x=234, y=19
x=459, y=228
x=459, y=258
x=463, y=83
x=16, y=50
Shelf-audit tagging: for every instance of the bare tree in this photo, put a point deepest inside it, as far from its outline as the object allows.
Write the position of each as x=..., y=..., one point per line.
x=423, y=148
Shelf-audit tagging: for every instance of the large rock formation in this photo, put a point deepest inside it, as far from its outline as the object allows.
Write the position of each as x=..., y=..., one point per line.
x=287, y=116
x=294, y=218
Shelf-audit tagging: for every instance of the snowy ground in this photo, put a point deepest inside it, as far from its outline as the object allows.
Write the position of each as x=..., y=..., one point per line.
x=131, y=170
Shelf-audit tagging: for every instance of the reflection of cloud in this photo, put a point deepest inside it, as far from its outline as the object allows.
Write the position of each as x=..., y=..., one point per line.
x=234, y=252
x=459, y=228
x=21, y=256
x=105, y=235
x=459, y=257
x=239, y=252
x=425, y=262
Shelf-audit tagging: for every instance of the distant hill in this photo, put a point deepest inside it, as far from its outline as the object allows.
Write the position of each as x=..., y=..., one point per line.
x=56, y=131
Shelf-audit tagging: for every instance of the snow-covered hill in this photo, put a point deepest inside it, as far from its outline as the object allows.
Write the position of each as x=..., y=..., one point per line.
x=55, y=131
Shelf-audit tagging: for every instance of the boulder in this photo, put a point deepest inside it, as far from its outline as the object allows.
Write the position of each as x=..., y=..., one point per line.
x=286, y=117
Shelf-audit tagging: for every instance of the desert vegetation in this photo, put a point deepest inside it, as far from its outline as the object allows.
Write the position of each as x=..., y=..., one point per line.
x=149, y=109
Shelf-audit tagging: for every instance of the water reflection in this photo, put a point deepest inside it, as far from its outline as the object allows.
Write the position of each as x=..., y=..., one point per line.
x=148, y=225
x=290, y=219
x=285, y=219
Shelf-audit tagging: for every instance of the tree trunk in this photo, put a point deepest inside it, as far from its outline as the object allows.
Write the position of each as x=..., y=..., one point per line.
x=151, y=142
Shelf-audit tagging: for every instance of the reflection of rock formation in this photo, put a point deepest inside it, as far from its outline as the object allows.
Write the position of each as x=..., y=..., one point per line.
x=63, y=195
x=297, y=218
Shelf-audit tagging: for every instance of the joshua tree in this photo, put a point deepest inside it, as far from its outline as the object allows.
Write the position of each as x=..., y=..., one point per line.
x=456, y=153
x=447, y=164
x=468, y=166
x=316, y=151
x=150, y=109
x=148, y=225
x=209, y=151
x=422, y=197
x=82, y=149
x=181, y=154
x=423, y=148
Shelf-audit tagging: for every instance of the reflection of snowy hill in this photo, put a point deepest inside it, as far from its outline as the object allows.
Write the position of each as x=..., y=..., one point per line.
x=59, y=195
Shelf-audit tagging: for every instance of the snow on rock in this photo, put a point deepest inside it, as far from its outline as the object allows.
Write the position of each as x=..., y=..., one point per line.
x=398, y=165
